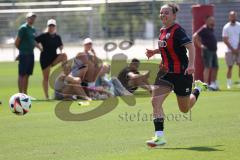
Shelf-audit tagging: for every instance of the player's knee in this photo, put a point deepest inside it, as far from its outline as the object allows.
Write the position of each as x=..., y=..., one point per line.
x=153, y=101
x=64, y=57
x=183, y=109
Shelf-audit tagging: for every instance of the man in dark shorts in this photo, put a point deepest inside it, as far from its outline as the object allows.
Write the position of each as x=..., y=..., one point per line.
x=25, y=42
x=206, y=40
x=131, y=79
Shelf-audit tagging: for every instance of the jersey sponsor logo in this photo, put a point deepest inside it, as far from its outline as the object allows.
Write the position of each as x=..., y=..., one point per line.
x=162, y=43
x=168, y=35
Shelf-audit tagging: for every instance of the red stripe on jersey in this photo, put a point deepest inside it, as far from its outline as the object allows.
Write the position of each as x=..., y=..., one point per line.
x=173, y=54
x=163, y=53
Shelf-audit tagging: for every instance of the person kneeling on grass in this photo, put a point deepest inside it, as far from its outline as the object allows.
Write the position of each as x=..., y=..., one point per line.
x=67, y=86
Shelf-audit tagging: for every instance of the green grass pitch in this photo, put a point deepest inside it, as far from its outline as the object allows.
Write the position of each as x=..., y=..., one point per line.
x=210, y=132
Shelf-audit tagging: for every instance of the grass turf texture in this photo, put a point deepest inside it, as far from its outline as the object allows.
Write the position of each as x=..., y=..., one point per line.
x=211, y=132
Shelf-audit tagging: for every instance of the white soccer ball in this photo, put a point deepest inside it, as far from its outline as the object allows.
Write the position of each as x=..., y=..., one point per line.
x=20, y=103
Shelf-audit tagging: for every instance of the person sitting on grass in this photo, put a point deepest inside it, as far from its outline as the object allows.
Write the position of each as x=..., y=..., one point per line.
x=86, y=65
x=67, y=86
x=111, y=84
x=131, y=79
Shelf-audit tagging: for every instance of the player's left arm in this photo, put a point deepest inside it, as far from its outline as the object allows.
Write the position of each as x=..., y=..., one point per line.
x=191, y=56
x=183, y=40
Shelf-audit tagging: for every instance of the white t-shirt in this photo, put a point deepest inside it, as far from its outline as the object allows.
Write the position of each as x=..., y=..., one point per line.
x=233, y=34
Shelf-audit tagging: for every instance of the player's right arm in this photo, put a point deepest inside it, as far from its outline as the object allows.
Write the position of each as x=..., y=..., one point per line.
x=149, y=52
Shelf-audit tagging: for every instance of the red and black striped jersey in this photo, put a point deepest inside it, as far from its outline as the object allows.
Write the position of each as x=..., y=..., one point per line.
x=171, y=44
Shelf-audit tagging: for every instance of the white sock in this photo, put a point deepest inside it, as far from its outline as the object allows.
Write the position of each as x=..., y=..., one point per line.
x=229, y=82
x=91, y=84
x=198, y=88
x=159, y=133
x=214, y=84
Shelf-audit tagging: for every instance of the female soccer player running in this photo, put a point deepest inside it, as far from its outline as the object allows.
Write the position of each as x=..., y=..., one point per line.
x=173, y=43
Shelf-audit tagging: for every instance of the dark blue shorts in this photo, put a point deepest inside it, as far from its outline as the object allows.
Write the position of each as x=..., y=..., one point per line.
x=26, y=64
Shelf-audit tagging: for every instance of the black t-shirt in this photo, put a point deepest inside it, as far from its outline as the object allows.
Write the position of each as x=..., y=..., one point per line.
x=49, y=42
x=124, y=78
x=208, y=38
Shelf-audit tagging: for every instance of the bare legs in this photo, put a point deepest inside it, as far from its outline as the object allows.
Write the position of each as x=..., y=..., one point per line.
x=92, y=73
x=157, y=102
x=206, y=74
x=229, y=72
x=186, y=103
x=70, y=90
x=46, y=72
x=23, y=83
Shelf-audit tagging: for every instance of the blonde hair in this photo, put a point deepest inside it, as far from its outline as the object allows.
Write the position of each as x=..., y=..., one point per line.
x=173, y=6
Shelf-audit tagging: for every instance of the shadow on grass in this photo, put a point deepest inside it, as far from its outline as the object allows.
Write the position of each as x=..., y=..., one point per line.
x=199, y=148
x=44, y=100
x=229, y=90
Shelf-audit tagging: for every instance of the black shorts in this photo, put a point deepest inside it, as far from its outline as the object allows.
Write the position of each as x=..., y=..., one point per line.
x=26, y=64
x=182, y=84
x=47, y=60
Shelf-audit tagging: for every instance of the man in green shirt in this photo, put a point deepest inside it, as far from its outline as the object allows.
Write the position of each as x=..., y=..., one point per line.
x=25, y=42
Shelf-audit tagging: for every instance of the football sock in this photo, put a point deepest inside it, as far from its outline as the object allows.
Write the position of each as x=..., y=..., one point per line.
x=159, y=126
x=159, y=133
x=229, y=82
x=196, y=93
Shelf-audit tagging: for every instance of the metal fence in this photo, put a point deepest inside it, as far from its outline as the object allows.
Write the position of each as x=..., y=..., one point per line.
x=103, y=20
